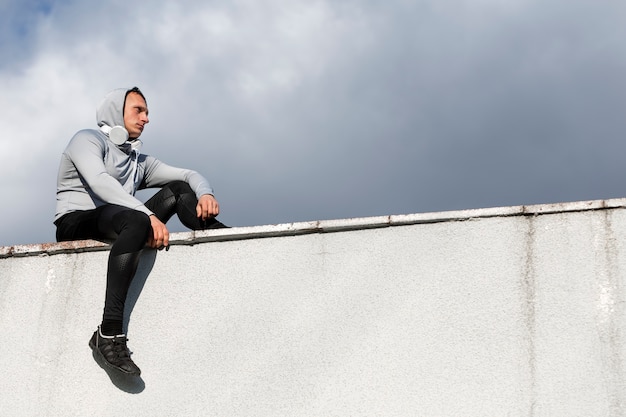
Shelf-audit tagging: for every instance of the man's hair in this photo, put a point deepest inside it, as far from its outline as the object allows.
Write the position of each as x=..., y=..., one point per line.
x=133, y=90
x=136, y=90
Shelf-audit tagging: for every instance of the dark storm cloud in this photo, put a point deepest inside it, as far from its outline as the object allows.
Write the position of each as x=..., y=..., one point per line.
x=478, y=107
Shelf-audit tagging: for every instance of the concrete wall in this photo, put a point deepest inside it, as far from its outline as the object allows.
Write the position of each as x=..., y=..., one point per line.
x=513, y=311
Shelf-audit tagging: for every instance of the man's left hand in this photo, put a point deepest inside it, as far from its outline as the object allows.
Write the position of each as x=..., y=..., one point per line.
x=207, y=207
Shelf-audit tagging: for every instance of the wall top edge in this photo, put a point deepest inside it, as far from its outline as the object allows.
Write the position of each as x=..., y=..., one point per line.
x=322, y=226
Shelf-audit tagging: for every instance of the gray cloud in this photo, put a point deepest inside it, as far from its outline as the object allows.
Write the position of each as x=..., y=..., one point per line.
x=317, y=110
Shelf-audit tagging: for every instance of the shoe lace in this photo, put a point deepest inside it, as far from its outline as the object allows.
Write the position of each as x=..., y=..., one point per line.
x=120, y=348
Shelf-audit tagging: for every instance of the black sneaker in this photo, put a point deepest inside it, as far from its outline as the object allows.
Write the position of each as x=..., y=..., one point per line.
x=213, y=223
x=114, y=352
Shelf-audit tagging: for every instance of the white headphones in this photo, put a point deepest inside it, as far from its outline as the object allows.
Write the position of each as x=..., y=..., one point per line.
x=117, y=134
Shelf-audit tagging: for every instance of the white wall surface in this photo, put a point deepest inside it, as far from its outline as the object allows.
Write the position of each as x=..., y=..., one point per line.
x=498, y=312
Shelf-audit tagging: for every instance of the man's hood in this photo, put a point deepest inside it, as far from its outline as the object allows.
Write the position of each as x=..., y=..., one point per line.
x=110, y=112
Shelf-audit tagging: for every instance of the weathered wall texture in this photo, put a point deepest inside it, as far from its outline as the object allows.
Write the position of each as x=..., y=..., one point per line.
x=498, y=312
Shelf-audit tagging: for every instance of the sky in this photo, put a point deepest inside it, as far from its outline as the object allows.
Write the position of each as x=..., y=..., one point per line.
x=307, y=110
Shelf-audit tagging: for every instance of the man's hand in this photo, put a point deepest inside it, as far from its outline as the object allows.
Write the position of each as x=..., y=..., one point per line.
x=207, y=207
x=160, y=237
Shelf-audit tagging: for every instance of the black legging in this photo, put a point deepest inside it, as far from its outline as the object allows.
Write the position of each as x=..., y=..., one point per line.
x=129, y=230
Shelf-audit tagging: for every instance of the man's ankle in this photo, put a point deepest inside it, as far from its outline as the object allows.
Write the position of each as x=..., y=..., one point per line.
x=111, y=328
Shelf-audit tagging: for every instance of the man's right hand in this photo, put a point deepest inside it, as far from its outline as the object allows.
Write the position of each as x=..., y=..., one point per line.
x=160, y=237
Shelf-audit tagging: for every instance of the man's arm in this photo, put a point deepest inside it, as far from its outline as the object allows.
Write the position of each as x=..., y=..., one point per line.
x=158, y=174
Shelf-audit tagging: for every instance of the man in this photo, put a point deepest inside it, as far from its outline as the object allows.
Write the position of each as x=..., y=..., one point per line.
x=99, y=173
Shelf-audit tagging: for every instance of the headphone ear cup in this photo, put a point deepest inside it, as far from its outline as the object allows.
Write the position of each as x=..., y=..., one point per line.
x=118, y=135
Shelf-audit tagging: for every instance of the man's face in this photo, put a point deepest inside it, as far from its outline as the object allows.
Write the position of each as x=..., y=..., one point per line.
x=135, y=115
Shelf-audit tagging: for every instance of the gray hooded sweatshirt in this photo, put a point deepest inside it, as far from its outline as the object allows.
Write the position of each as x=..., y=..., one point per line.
x=94, y=171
